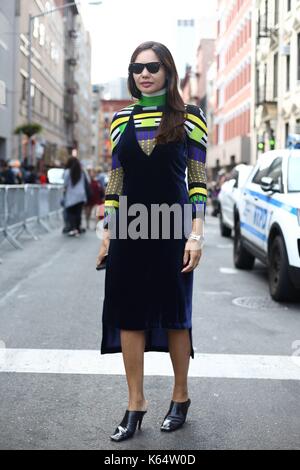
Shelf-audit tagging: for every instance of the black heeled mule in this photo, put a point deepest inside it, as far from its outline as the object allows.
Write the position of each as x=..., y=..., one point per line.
x=127, y=427
x=176, y=416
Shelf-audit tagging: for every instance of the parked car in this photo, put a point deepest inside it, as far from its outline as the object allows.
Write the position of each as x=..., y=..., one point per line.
x=267, y=222
x=214, y=192
x=229, y=196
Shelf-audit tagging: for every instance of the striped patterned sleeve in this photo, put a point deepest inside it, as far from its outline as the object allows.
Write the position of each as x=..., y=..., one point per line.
x=196, y=128
x=115, y=183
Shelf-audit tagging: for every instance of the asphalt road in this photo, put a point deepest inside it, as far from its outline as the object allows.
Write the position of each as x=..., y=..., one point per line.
x=51, y=299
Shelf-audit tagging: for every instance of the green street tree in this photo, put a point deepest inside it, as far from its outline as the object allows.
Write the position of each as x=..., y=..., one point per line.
x=29, y=129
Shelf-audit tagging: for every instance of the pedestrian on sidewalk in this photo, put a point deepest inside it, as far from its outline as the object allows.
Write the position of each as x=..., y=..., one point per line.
x=43, y=179
x=149, y=282
x=96, y=198
x=75, y=195
x=6, y=173
x=31, y=176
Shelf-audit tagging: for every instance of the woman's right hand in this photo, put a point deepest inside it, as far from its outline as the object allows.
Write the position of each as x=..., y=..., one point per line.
x=103, y=248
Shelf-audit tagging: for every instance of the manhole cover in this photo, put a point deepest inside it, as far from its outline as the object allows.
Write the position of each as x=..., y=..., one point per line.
x=257, y=302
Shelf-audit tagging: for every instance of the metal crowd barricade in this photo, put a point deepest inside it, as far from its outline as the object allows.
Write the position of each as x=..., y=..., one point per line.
x=31, y=207
x=55, y=201
x=2, y=209
x=43, y=207
x=22, y=205
x=14, y=214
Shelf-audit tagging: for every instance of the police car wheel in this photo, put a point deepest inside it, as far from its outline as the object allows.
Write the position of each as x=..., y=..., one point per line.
x=225, y=231
x=242, y=258
x=280, y=285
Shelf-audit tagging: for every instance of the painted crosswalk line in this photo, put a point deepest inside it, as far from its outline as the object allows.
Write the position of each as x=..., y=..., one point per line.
x=51, y=361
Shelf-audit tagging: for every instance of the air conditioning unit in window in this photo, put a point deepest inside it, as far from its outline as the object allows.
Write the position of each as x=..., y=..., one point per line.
x=285, y=49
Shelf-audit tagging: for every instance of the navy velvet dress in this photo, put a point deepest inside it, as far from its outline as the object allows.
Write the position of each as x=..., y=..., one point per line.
x=144, y=287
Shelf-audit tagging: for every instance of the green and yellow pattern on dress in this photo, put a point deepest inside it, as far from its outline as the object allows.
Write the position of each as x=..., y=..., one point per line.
x=147, y=114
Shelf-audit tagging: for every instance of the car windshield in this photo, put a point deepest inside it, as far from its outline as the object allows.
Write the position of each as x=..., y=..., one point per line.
x=294, y=174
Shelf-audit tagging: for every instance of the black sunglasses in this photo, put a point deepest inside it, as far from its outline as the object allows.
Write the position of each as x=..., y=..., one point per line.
x=152, y=67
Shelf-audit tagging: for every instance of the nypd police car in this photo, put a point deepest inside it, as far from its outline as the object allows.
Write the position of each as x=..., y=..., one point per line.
x=267, y=222
x=229, y=196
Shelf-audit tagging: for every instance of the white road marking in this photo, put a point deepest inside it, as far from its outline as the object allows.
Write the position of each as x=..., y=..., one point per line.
x=229, y=271
x=212, y=292
x=39, y=361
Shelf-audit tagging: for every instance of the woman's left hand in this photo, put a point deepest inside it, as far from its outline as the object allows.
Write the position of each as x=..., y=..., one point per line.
x=192, y=255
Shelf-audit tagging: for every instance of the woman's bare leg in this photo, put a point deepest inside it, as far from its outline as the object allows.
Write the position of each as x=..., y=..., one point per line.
x=88, y=210
x=133, y=348
x=180, y=350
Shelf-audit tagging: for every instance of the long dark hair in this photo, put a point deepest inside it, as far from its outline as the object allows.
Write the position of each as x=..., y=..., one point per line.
x=73, y=164
x=171, y=128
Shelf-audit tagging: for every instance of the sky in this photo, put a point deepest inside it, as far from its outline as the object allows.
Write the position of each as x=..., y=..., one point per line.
x=117, y=27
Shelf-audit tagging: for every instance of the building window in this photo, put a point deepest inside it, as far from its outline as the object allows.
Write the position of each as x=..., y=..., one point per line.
x=49, y=110
x=275, y=82
x=45, y=106
x=37, y=99
x=288, y=61
x=35, y=32
x=266, y=18
x=33, y=95
x=42, y=103
x=298, y=72
x=56, y=115
x=42, y=34
x=287, y=131
x=217, y=134
x=24, y=88
x=3, y=99
x=276, y=17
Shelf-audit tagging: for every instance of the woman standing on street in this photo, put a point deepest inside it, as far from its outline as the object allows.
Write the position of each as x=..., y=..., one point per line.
x=96, y=197
x=75, y=195
x=149, y=281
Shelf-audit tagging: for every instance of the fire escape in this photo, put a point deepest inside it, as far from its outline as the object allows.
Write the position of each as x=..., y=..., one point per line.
x=266, y=87
x=267, y=41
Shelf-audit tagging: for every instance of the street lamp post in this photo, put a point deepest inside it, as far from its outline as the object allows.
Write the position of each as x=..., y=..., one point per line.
x=29, y=102
x=32, y=18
